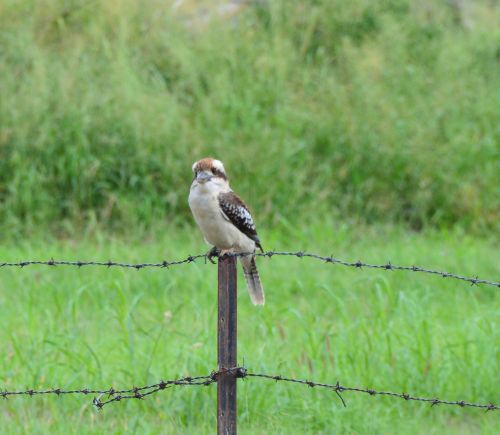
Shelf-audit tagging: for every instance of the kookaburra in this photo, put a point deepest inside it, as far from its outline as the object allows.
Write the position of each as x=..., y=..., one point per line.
x=224, y=220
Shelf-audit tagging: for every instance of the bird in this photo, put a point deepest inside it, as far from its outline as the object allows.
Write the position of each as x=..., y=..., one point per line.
x=225, y=220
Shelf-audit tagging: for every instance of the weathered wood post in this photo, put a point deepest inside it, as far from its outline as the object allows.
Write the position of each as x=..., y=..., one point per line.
x=226, y=345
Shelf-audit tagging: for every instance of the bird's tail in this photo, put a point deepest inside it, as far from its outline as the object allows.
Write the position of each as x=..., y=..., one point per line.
x=253, y=280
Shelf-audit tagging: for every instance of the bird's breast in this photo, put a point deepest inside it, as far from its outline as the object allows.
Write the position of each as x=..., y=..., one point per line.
x=216, y=228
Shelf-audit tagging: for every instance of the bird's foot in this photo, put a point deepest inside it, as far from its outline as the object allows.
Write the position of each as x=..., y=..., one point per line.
x=214, y=252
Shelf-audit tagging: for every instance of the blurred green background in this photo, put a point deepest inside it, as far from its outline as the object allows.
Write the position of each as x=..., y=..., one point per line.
x=367, y=110
x=368, y=130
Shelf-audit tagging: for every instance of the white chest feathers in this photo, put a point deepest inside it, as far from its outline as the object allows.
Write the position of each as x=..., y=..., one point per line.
x=216, y=228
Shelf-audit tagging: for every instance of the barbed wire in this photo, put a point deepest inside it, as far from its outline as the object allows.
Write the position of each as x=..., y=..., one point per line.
x=113, y=394
x=385, y=266
x=108, y=264
x=239, y=372
x=337, y=388
x=269, y=254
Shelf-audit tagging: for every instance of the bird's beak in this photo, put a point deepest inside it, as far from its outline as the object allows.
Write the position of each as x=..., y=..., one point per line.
x=203, y=177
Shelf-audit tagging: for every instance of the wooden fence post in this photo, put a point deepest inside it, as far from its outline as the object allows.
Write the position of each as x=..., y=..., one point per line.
x=226, y=346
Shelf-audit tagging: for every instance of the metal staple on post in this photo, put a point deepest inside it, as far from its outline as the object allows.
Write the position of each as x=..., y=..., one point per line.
x=226, y=346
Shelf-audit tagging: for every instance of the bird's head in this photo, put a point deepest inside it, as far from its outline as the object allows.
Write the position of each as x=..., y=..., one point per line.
x=209, y=170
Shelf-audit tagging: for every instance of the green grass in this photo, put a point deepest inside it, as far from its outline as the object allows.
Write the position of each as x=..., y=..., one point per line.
x=384, y=110
x=395, y=331
x=380, y=112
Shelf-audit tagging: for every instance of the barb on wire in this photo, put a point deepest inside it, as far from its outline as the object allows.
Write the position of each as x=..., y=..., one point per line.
x=192, y=258
x=239, y=372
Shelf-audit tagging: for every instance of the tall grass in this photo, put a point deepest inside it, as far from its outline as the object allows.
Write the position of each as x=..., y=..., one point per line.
x=383, y=110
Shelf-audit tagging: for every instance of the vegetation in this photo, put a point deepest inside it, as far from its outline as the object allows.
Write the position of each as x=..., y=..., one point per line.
x=346, y=125
x=68, y=327
x=381, y=111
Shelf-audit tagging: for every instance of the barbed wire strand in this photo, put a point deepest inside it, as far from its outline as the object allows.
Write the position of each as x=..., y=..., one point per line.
x=109, y=263
x=341, y=389
x=269, y=254
x=116, y=395
x=240, y=372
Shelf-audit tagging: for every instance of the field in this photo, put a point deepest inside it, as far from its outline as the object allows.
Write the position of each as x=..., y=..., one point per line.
x=365, y=129
x=385, y=330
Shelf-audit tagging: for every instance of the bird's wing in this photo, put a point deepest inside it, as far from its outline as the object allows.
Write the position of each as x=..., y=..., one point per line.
x=235, y=211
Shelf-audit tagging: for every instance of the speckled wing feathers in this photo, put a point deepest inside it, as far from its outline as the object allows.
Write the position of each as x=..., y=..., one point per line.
x=234, y=210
